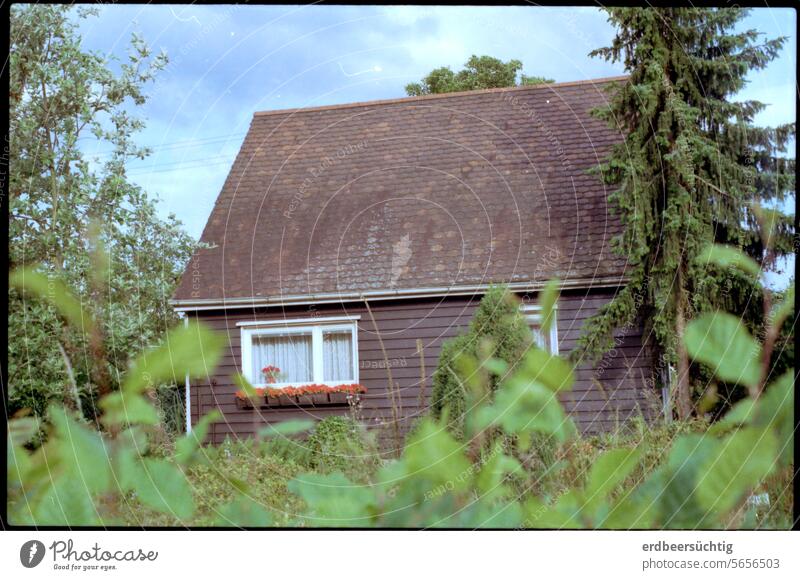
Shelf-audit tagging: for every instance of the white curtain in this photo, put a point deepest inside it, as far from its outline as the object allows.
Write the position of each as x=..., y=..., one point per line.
x=290, y=352
x=337, y=351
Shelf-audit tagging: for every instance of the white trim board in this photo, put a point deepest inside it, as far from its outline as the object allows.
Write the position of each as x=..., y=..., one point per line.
x=309, y=321
x=188, y=389
x=408, y=293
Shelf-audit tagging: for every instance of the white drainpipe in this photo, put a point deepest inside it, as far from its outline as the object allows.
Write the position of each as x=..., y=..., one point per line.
x=188, y=391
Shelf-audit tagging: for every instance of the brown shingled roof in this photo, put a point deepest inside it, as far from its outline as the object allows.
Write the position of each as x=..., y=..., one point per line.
x=451, y=190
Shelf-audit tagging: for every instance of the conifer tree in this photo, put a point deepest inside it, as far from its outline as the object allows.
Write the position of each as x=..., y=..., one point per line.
x=693, y=169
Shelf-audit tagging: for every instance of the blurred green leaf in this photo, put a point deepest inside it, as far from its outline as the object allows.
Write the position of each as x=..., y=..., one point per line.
x=722, y=341
x=82, y=452
x=729, y=257
x=493, y=472
x=740, y=414
x=186, y=447
x=496, y=366
x=432, y=453
x=23, y=429
x=676, y=483
x=521, y=407
x=120, y=408
x=66, y=503
x=193, y=350
x=609, y=470
x=737, y=464
x=162, y=487
x=243, y=512
x=775, y=411
x=18, y=464
x=784, y=308
x=550, y=370
x=564, y=514
x=547, y=301
x=334, y=500
x=248, y=389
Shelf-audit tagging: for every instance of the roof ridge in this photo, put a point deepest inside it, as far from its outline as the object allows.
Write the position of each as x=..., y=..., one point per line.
x=439, y=96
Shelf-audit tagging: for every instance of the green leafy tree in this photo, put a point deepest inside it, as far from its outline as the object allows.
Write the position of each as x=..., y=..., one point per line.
x=689, y=172
x=498, y=330
x=61, y=97
x=479, y=72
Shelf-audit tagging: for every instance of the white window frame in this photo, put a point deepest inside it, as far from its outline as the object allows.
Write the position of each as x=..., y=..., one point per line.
x=533, y=316
x=315, y=327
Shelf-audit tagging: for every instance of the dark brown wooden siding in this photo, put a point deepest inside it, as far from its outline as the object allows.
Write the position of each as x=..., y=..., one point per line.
x=603, y=396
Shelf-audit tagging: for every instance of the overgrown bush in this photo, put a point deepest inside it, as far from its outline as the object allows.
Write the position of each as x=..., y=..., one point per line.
x=340, y=443
x=234, y=473
x=497, y=330
x=448, y=391
x=651, y=437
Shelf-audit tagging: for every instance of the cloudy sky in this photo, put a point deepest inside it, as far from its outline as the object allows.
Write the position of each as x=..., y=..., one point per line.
x=229, y=61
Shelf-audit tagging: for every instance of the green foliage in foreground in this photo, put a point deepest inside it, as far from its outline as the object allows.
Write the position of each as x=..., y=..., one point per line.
x=516, y=445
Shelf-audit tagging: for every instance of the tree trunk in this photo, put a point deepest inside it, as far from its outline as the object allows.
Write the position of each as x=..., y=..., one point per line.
x=683, y=395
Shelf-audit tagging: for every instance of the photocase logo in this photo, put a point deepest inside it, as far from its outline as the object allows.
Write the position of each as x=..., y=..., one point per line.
x=31, y=553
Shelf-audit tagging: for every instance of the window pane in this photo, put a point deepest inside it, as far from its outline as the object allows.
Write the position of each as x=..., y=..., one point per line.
x=540, y=339
x=337, y=349
x=290, y=352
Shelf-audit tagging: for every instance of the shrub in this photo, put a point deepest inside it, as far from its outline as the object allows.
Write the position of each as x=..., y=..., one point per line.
x=448, y=392
x=233, y=472
x=497, y=330
x=340, y=443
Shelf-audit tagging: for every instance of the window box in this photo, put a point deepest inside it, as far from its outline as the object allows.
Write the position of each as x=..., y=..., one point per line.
x=245, y=403
x=312, y=395
x=274, y=401
x=339, y=398
x=320, y=399
x=304, y=400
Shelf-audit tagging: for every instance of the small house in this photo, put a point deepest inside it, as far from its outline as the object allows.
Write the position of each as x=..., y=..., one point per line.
x=349, y=241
